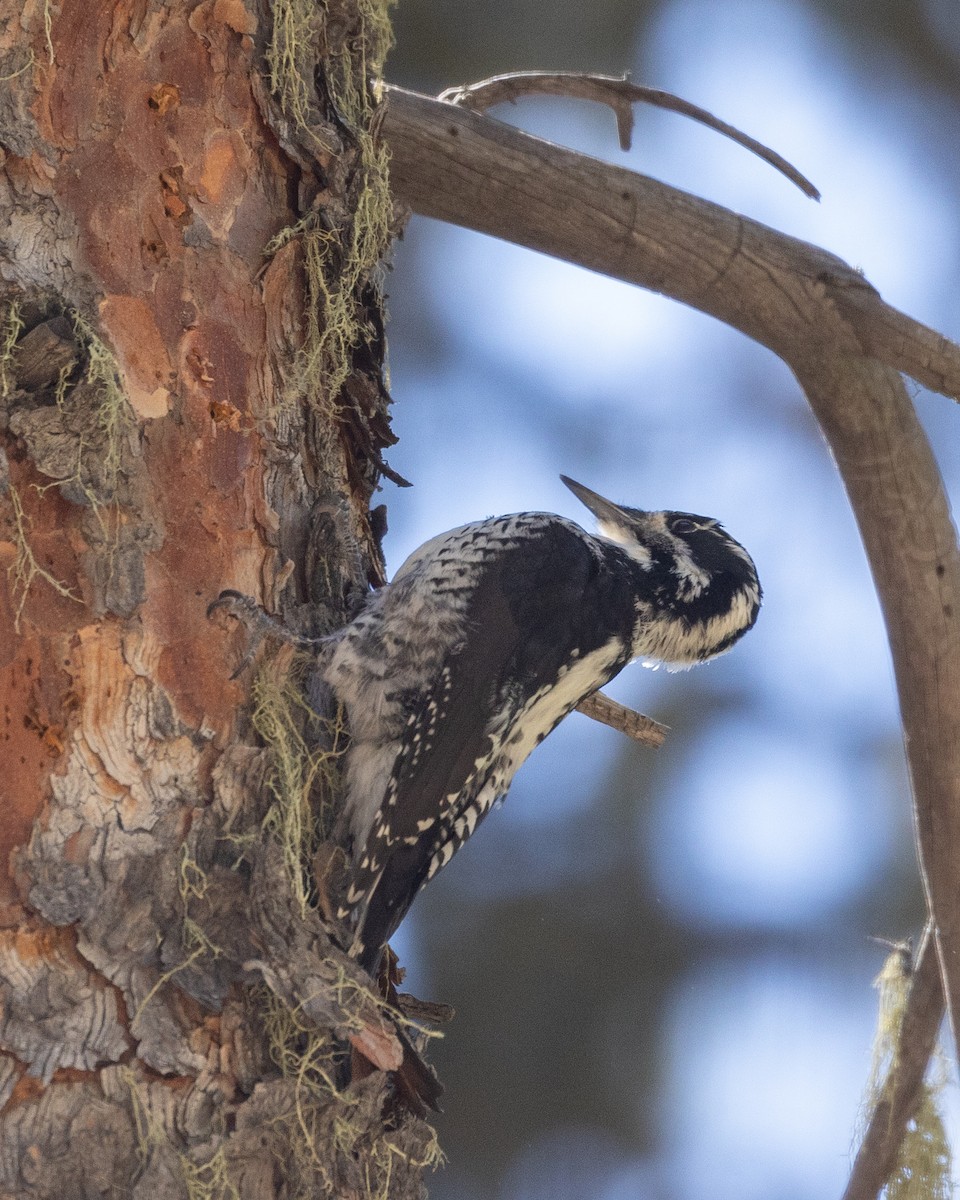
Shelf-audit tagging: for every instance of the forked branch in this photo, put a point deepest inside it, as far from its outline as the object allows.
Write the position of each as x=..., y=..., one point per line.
x=620, y=94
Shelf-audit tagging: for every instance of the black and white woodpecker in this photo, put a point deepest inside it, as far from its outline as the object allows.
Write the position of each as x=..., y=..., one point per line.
x=486, y=638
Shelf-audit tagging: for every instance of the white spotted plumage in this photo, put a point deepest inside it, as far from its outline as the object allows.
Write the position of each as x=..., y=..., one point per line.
x=487, y=637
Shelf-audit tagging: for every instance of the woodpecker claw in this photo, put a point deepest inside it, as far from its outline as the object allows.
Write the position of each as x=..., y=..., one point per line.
x=258, y=623
x=236, y=604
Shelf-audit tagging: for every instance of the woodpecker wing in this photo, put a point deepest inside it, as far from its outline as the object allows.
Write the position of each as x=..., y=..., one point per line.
x=547, y=622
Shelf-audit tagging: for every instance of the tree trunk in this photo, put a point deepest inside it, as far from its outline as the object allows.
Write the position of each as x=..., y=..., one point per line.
x=191, y=398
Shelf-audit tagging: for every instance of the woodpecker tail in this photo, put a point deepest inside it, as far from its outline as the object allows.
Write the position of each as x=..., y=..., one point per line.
x=418, y=1087
x=385, y=1046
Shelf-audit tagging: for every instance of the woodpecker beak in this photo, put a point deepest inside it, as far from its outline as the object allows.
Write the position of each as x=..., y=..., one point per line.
x=606, y=512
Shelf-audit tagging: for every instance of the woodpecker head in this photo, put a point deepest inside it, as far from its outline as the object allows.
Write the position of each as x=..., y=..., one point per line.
x=702, y=584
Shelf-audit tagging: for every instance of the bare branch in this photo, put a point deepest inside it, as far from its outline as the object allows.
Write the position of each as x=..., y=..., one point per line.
x=900, y=1092
x=825, y=321
x=625, y=720
x=470, y=170
x=620, y=94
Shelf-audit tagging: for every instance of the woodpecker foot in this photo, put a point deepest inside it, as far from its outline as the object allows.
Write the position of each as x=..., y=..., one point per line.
x=259, y=625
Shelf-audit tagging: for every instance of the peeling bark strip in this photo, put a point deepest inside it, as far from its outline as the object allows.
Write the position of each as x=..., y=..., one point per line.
x=191, y=398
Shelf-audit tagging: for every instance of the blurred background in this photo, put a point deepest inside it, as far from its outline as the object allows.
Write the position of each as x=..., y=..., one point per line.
x=660, y=960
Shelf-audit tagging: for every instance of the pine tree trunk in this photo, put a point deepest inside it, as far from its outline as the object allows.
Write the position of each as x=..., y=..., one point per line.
x=191, y=399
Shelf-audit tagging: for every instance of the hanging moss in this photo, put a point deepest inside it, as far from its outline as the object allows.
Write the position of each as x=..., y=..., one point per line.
x=366, y=1153
x=301, y=34
x=924, y=1167
x=209, y=1180
x=338, y=258
x=304, y=775
x=113, y=417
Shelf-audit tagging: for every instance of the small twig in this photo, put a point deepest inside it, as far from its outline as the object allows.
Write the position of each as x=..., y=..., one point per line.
x=432, y=1011
x=620, y=94
x=900, y=1092
x=635, y=725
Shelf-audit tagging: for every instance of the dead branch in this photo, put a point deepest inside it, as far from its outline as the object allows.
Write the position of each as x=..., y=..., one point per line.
x=470, y=170
x=620, y=94
x=827, y=323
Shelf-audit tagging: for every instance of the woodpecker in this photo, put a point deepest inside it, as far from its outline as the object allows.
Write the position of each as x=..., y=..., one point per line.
x=487, y=637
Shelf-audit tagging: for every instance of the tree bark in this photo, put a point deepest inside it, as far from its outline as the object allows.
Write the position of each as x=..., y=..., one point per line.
x=191, y=398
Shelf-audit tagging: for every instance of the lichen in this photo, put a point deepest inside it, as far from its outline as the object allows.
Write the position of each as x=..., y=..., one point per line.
x=290, y=57
x=924, y=1168
x=48, y=30
x=304, y=778
x=149, y=1128
x=113, y=416
x=80, y=442
x=11, y=326
x=25, y=569
x=209, y=1180
x=299, y=37
x=337, y=259
x=206, y=1178
x=343, y=1119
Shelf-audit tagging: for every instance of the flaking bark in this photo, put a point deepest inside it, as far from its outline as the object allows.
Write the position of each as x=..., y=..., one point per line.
x=174, y=1014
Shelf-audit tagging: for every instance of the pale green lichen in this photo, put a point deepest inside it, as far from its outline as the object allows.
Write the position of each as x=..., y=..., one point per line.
x=290, y=57
x=11, y=326
x=924, y=1168
x=48, y=30
x=207, y=1179
x=336, y=261
x=100, y=440
x=114, y=417
x=303, y=777
x=323, y=1114
x=25, y=569
x=298, y=38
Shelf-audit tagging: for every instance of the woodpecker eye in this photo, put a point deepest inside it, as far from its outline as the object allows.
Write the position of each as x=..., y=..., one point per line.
x=683, y=525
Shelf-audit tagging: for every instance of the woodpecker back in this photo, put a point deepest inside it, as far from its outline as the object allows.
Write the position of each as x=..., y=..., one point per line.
x=484, y=641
